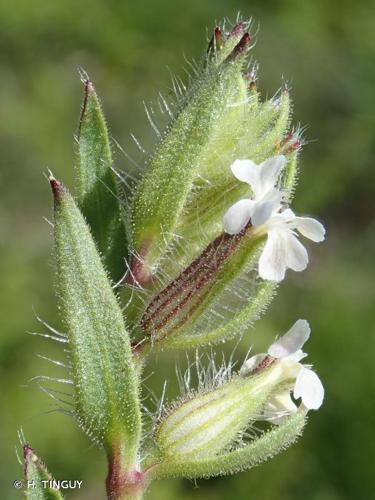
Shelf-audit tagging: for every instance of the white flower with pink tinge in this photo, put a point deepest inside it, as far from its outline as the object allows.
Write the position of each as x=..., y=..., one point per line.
x=286, y=354
x=266, y=212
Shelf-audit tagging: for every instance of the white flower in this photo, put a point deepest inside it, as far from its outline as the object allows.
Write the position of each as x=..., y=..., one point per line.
x=282, y=249
x=279, y=407
x=287, y=353
x=262, y=180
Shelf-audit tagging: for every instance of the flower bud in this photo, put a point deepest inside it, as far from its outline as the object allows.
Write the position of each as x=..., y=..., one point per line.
x=178, y=208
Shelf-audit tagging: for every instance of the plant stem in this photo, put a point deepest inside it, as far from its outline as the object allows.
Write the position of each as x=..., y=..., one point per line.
x=124, y=481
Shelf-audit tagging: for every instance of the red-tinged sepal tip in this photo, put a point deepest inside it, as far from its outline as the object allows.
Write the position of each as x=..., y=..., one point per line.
x=216, y=41
x=57, y=187
x=241, y=47
x=89, y=86
x=30, y=458
x=289, y=144
x=27, y=451
x=88, y=92
x=139, y=273
x=218, y=34
x=251, y=79
x=238, y=29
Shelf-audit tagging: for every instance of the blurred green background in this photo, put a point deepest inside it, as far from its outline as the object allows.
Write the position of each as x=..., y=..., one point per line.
x=326, y=51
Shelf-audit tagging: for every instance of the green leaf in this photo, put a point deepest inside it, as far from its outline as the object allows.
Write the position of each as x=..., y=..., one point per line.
x=97, y=189
x=39, y=484
x=105, y=382
x=259, y=450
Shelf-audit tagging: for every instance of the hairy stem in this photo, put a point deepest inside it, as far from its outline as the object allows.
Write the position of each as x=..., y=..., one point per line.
x=124, y=481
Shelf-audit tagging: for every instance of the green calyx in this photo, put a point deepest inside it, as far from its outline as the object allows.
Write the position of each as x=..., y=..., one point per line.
x=97, y=190
x=269, y=444
x=104, y=376
x=212, y=420
x=40, y=485
x=203, y=303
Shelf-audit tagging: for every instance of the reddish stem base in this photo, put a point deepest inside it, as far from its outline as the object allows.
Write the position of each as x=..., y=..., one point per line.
x=124, y=484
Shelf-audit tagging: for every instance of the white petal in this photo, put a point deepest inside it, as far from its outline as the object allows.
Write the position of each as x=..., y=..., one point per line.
x=288, y=215
x=292, y=341
x=237, y=216
x=273, y=196
x=309, y=387
x=297, y=257
x=297, y=356
x=264, y=209
x=247, y=171
x=310, y=228
x=273, y=261
x=289, y=368
x=262, y=213
x=270, y=171
x=283, y=402
x=282, y=220
x=279, y=407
